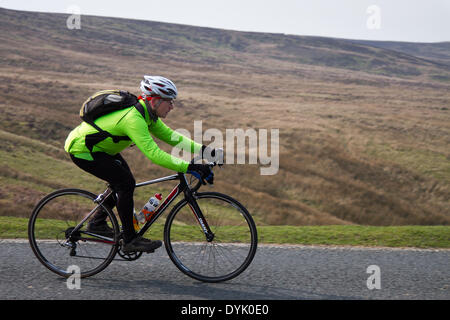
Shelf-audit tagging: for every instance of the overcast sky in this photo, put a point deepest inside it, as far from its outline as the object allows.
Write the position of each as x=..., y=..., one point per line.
x=397, y=20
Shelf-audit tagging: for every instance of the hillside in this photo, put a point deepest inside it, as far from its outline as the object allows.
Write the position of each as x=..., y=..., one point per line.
x=438, y=53
x=364, y=127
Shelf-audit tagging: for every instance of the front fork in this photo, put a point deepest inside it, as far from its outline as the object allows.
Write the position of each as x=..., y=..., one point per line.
x=192, y=202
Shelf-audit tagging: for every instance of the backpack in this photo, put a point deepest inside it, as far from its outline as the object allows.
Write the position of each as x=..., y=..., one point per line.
x=102, y=103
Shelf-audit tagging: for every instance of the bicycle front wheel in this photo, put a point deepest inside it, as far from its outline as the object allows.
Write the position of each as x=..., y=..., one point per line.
x=51, y=236
x=225, y=256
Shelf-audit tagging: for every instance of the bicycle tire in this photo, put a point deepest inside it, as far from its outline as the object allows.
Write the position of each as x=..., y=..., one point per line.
x=235, y=237
x=51, y=221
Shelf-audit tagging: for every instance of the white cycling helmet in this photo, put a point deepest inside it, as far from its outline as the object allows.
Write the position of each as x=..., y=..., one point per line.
x=158, y=86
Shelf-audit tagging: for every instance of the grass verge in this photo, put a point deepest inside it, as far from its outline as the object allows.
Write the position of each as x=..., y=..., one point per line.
x=392, y=236
x=357, y=235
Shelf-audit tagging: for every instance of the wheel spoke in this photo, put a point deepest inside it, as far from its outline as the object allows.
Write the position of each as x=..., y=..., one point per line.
x=231, y=250
x=53, y=241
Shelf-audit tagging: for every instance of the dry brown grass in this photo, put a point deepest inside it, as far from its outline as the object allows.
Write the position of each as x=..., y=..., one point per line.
x=355, y=147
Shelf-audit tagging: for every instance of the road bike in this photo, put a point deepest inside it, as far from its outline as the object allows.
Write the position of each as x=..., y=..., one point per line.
x=209, y=236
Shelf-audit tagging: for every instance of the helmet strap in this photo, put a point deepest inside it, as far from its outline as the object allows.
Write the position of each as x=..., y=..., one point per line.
x=155, y=106
x=157, y=103
x=148, y=104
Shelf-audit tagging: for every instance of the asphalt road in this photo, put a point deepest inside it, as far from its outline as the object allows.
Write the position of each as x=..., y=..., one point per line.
x=277, y=273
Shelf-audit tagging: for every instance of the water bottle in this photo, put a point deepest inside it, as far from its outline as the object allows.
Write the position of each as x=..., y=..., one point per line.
x=147, y=211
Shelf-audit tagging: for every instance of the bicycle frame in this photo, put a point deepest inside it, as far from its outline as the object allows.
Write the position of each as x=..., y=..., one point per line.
x=182, y=187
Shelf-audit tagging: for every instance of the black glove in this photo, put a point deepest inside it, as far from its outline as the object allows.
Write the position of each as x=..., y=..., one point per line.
x=212, y=155
x=202, y=172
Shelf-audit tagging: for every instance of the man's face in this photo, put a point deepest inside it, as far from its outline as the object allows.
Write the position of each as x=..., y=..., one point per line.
x=162, y=106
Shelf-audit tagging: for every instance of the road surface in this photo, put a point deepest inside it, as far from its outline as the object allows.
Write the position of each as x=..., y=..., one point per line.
x=278, y=272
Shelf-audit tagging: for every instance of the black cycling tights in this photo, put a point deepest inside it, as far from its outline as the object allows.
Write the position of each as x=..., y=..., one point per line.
x=114, y=170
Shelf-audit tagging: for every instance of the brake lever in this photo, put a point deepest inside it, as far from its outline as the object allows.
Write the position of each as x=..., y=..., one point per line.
x=213, y=164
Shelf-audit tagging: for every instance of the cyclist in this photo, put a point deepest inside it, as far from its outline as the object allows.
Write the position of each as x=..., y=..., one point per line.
x=104, y=161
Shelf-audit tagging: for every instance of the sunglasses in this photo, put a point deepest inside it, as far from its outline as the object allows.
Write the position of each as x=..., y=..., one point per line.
x=167, y=100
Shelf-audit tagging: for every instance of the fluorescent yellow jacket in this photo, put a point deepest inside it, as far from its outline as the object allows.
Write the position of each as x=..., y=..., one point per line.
x=129, y=122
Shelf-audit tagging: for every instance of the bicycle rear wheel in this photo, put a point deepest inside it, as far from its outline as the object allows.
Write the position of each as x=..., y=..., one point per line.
x=57, y=247
x=224, y=257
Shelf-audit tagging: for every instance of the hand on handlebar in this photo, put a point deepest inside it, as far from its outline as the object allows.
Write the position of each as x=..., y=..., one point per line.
x=202, y=172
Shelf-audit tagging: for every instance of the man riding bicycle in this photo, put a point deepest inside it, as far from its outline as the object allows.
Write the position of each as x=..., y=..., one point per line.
x=104, y=161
